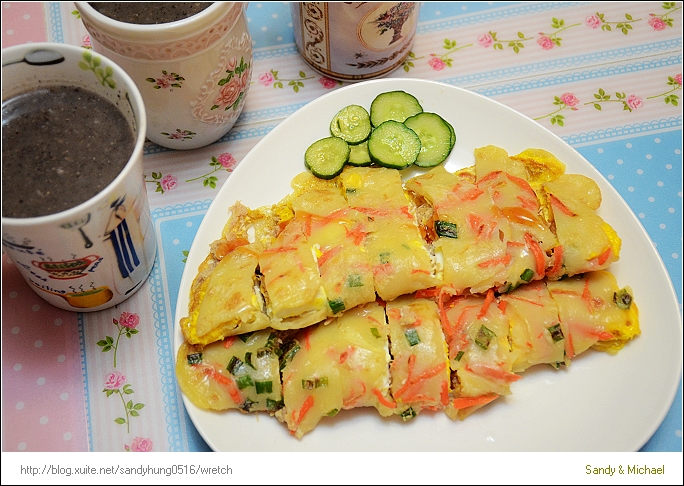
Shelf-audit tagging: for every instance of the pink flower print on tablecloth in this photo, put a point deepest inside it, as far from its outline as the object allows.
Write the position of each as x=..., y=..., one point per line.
x=114, y=381
x=115, y=384
x=327, y=83
x=129, y=320
x=126, y=325
x=629, y=103
x=227, y=161
x=139, y=444
x=179, y=134
x=490, y=39
x=168, y=183
x=266, y=79
x=593, y=21
x=545, y=42
x=634, y=102
x=436, y=63
x=163, y=182
x=485, y=40
x=570, y=100
x=86, y=42
x=566, y=100
x=675, y=83
x=657, y=23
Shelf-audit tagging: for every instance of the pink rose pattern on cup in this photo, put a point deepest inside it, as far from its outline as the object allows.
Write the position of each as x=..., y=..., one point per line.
x=234, y=85
x=167, y=81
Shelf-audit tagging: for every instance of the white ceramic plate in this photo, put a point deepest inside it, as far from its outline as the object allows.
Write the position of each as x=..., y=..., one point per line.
x=600, y=403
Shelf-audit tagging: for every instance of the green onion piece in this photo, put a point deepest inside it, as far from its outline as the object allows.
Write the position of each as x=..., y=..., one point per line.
x=245, y=337
x=194, y=358
x=412, y=336
x=247, y=405
x=623, y=298
x=354, y=280
x=459, y=355
x=234, y=365
x=292, y=348
x=351, y=191
x=408, y=414
x=374, y=331
x=273, y=405
x=556, y=333
x=336, y=305
x=248, y=359
x=244, y=381
x=384, y=257
x=446, y=229
x=333, y=412
x=484, y=337
x=261, y=352
x=313, y=383
x=527, y=275
x=263, y=387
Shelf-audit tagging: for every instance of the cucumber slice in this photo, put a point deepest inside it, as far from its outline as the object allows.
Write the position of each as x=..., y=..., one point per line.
x=393, y=105
x=351, y=124
x=325, y=158
x=435, y=138
x=453, y=134
x=359, y=155
x=392, y=144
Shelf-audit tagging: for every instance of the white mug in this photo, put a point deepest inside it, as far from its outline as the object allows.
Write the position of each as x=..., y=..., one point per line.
x=97, y=254
x=193, y=73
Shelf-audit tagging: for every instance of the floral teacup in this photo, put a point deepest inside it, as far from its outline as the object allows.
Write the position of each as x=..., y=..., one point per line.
x=193, y=73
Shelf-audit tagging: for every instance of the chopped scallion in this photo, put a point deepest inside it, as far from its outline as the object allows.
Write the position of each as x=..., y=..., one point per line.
x=354, y=280
x=384, y=257
x=446, y=229
x=459, y=355
x=333, y=412
x=556, y=333
x=336, y=305
x=623, y=298
x=527, y=275
x=374, y=331
x=244, y=381
x=408, y=414
x=234, y=365
x=194, y=358
x=313, y=383
x=248, y=359
x=247, y=405
x=273, y=405
x=484, y=337
x=292, y=349
x=263, y=387
x=412, y=336
x=245, y=337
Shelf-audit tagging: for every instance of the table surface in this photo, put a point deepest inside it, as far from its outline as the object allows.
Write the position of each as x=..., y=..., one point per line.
x=53, y=373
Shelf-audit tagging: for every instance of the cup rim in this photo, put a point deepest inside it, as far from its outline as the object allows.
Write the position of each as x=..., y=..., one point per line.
x=19, y=52
x=152, y=32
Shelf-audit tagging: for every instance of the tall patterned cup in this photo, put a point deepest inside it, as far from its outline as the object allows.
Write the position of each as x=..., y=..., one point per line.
x=353, y=41
x=99, y=252
x=193, y=73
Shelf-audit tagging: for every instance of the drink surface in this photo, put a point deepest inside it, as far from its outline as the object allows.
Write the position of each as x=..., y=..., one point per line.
x=149, y=12
x=61, y=145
